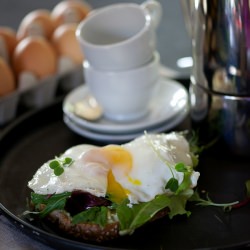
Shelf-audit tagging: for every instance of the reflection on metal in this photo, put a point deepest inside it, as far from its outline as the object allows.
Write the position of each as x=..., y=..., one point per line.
x=221, y=116
x=185, y=62
x=220, y=78
x=221, y=42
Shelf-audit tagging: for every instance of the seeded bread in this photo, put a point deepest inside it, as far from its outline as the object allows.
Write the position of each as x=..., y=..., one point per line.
x=61, y=220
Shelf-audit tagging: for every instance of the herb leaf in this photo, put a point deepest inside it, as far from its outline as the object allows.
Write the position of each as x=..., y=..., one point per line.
x=67, y=161
x=132, y=217
x=208, y=202
x=54, y=164
x=52, y=202
x=58, y=165
x=186, y=182
x=172, y=184
x=181, y=167
x=96, y=215
x=58, y=171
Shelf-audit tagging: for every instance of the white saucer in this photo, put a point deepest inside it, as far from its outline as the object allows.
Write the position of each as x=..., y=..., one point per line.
x=119, y=138
x=169, y=99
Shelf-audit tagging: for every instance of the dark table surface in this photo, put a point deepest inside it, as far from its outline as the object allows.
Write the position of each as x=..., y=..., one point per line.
x=173, y=43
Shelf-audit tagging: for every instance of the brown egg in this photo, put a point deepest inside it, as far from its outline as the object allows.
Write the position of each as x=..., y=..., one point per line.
x=37, y=22
x=35, y=54
x=69, y=11
x=8, y=36
x=7, y=79
x=66, y=43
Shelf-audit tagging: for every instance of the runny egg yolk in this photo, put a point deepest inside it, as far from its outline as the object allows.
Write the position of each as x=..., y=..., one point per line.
x=121, y=160
x=115, y=191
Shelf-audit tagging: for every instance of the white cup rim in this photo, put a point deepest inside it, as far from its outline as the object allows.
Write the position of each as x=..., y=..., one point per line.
x=106, y=9
x=155, y=59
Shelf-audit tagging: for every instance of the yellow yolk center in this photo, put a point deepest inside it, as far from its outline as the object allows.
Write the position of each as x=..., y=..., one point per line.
x=115, y=191
x=121, y=159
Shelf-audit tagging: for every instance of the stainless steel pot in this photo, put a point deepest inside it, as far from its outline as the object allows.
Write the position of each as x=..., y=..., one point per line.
x=220, y=32
x=220, y=81
x=222, y=117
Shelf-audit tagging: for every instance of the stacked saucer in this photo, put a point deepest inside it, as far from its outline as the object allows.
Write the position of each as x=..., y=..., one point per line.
x=168, y=107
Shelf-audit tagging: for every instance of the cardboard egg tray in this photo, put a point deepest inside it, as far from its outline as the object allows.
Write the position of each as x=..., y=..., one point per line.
x=38, y=96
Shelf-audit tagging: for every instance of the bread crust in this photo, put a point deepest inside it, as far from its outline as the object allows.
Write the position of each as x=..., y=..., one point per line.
x=83, y=231
x=87, y=231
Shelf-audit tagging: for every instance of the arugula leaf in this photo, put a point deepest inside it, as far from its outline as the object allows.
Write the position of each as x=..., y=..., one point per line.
x=52, y=202
x=98, y=215
x=208, y=202
x=135, y=216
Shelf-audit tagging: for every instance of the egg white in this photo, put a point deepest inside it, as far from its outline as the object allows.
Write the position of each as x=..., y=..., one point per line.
x=88, y=177
x=152, y=171
x=152, y=157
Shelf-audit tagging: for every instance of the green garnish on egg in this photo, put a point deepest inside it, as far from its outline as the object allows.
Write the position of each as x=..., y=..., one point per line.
x=58, y=165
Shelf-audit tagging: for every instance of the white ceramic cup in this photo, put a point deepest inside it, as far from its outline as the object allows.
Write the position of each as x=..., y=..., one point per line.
x=120, y=36
x=123, y=95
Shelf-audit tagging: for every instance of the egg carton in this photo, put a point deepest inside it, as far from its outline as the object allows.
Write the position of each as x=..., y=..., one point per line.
x=39, y=95
x=8, y=107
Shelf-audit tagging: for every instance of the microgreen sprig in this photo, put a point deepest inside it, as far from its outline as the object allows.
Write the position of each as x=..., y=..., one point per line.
x=208, y=202
x=59, y=164
x=173, y=184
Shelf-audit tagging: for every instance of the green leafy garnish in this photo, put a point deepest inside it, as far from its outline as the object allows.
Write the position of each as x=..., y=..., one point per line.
x=58, y=165
x=58, y=171
x=134, y=216
x=67, y=161
x=52, y=202
x=172, y=184
x=208, y=202
x=98, y=215
x=181, y=167
x=54, y=164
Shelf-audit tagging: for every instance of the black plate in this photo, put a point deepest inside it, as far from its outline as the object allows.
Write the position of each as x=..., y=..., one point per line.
x=41, y=135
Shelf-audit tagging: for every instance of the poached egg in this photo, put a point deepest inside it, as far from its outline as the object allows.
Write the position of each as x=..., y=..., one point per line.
x=138, y=170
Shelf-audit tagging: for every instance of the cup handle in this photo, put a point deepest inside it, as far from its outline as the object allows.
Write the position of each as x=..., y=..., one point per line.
x=154, y=9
